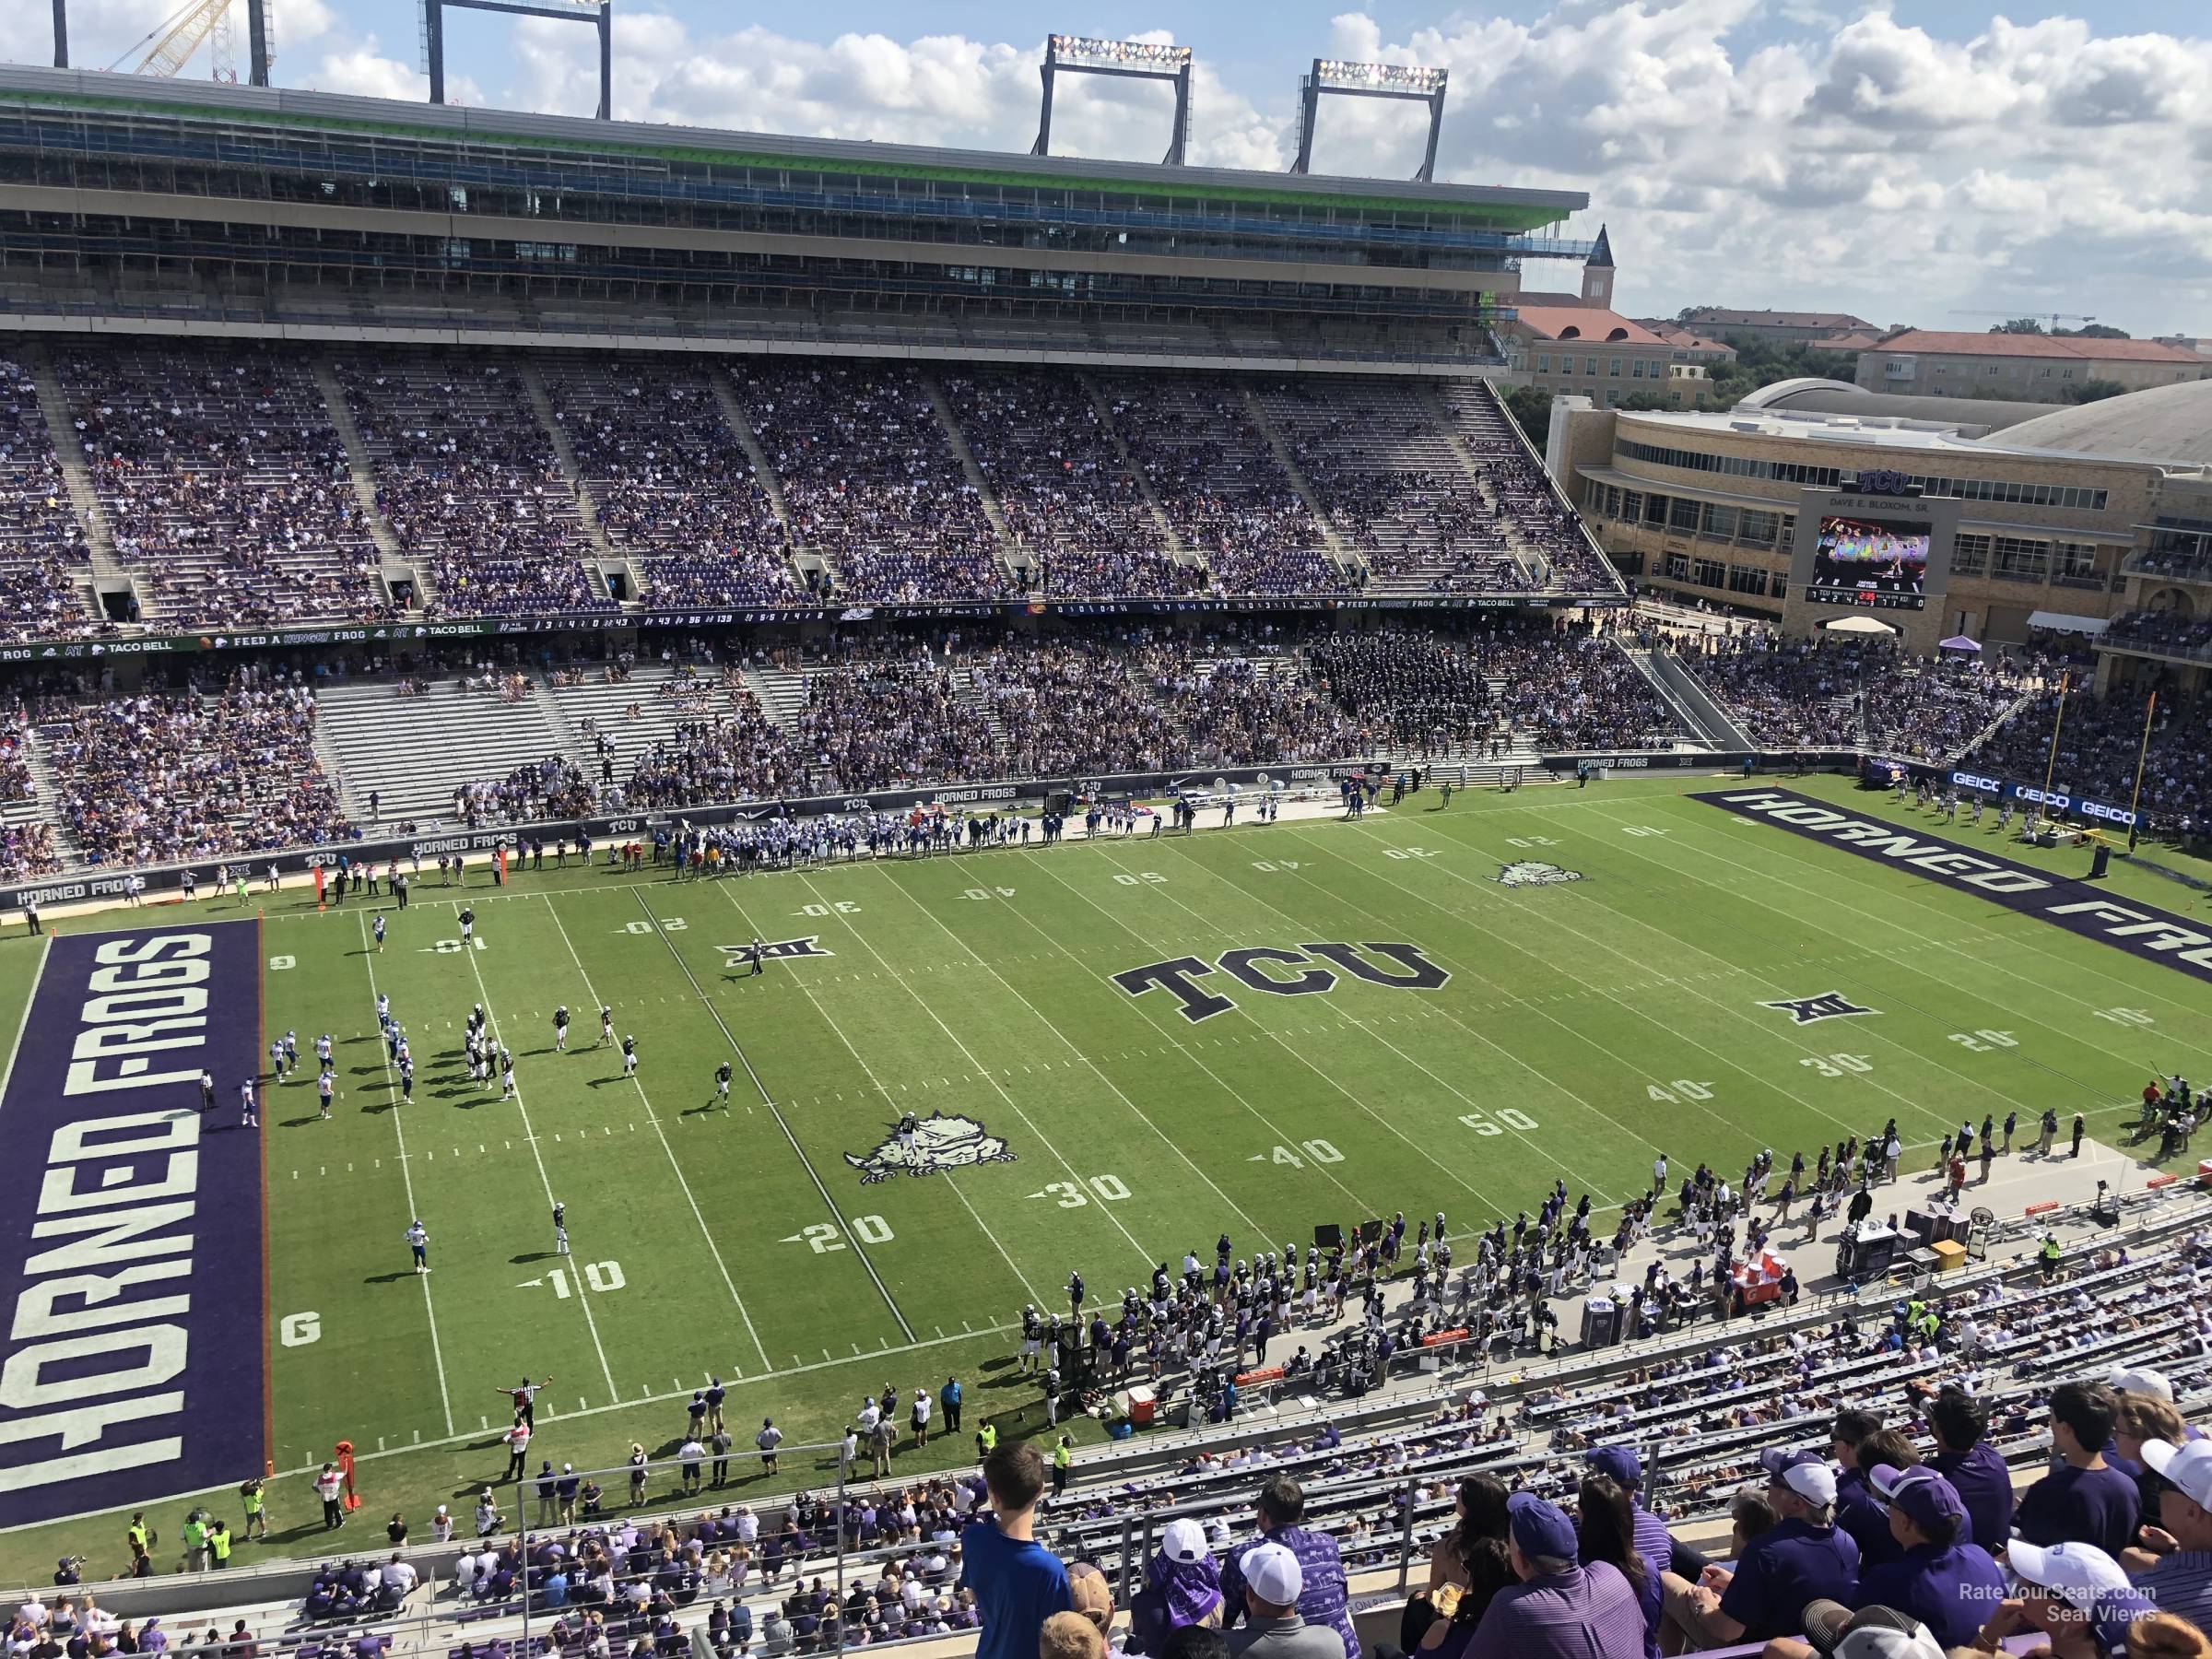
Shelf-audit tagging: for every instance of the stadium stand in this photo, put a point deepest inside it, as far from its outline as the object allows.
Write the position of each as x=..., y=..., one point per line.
x=470, y=481
x=2098, y=745
x=40, y=540
x=1828, y=693
x=223, y=482
x=673, y=485
x=872, y=481
x=205, y=773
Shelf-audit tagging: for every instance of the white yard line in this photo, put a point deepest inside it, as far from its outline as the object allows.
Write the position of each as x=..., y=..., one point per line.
x=1168, y=1036
x=1166, y=1139
x=1576, y=1035
x=406, y=1181
x=852, y=1240
x=976, y=1065
x=1757, y=977
x=530, y=1138
x=660, y=1134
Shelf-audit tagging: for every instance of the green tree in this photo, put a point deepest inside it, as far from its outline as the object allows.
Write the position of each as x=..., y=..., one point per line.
x=1762, y=362
x=2094, y=391
x=2017, y=325
x=1532, y=408
x=2097, y=331
x=1635, y=401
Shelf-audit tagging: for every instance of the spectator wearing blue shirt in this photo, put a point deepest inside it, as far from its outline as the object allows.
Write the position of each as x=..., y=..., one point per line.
x=1947, y=1585
x=2086, y=1501
x=950, y=1397
x=1323, y=1599
x=1017, y=1581
x=2179, y=1577
x=2066, y=1592
x=1803, y=1558
x=1654, y=1542
x=1976, y=1472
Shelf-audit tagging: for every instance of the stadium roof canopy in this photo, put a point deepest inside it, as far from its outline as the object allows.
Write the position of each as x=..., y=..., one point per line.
x=2171, y=424
x=1499, y=206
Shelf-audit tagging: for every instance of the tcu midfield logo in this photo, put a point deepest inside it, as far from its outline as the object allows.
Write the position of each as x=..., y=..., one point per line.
x=1179, y=975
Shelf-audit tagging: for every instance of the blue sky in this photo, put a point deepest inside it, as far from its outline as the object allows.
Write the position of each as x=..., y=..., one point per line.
x=1899, y=161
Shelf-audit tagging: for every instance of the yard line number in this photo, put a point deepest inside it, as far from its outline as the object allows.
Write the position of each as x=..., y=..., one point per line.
x=1837, y=1066
x=667, y=924
x=841, y=907
x=1681, y=1089
x=823, y=1237
x=1142, y=877
x=1485, y=1122
x=1408, y=853
x=1985, y=1042
x=2127, y=1016
x=1069, y=1194
x=1320, y=1151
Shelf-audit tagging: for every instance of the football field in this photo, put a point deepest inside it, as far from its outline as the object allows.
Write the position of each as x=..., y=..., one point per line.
x=1114, y=1052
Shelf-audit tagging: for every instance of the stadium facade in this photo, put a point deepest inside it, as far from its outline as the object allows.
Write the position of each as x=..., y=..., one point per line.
x=2069, y=520
x=129, y=203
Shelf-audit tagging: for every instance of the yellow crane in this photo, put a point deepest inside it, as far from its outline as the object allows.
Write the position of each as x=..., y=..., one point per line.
x=171, y=42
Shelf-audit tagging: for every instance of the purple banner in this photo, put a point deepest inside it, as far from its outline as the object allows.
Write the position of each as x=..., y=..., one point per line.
x=134, y=1361
x=2142, y=930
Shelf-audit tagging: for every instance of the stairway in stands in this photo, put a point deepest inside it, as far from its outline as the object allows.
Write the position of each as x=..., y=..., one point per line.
x=598, y=707
x=782, y=693
x=971, y=695
x=42, y=805
x=415, y=751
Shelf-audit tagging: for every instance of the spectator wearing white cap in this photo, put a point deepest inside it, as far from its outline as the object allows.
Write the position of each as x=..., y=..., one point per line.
x=1324, y=1601
x=2085, y=1500
x=1802, y=1558
x=1834, y=1631
x=1272, y=1584
x=2073, y=1593
x=1182, y=1586
x=2172, y=1565
x=1941, y=1579
x=1560, y=1609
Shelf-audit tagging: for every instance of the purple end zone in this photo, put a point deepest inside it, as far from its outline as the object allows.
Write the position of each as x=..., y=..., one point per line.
x=2143, y=930
x=131, y=1252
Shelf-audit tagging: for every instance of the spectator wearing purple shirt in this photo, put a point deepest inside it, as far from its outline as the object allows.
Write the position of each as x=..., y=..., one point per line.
x=1857, y=1511
x=1802, y=1558
x=1560, y=1609
x=1322, y=1599
x=1948, y=1585
x=1976, y=1472
x=2086, y=1501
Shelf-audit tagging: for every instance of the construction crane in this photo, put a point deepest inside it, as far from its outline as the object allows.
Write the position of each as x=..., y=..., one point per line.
x=172, y=41
x=2052, y=318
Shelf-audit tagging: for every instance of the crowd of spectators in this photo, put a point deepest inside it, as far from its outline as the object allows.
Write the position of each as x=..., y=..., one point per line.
x=471, y=484
x=871, y=481
x=883, y=719
x=732, y=754
x=40, y=537
x=672, y=484
x=1062, y=485
x=555, y=788
x=1834, y=693
x=217, y=769
x=1566, y=687
x=2098, y=742
x=26, y=848
x=1425, y=693
x=224, y=483
x=2162, y=630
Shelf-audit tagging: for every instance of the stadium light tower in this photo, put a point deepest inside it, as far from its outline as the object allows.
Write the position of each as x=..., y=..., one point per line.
x=600, y=13
x=1369, y=80
x=1135, y=60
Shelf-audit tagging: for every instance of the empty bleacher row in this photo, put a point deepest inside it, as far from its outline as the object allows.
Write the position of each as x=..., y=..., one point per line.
x=507, y=484
x=725, y=1574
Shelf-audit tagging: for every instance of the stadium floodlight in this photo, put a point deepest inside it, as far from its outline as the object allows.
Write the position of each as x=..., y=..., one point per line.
x=1137, y=60
x=599, y=13
x=1369, y=80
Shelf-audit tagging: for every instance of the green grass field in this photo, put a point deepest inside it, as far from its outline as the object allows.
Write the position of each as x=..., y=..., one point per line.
x=1584, y=1026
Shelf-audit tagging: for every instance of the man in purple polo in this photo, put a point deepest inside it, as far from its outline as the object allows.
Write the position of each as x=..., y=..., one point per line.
x=1322, y=1600
x=1560, y=1609
x=1949, y=1585
x=1803, y=1558
x=1971, y=1464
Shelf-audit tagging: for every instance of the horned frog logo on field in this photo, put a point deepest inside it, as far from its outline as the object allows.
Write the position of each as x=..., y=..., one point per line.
x=1528, y=873
x=941, y=1141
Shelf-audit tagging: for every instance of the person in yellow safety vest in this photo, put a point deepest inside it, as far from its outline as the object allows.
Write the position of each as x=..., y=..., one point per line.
x=256, y=1502
x=986, y=1441
x=138, y=1534
x=2049, y=1255
x=219, y=1540
x=1062, y=1455
x=195, y=1538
